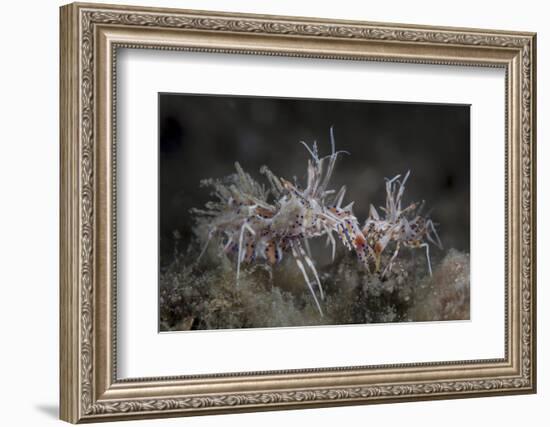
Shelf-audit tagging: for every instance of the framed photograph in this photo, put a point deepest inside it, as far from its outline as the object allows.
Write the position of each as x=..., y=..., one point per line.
x=266, y=212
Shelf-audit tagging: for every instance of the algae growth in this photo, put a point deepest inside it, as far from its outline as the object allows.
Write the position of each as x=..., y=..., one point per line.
x=205, y=295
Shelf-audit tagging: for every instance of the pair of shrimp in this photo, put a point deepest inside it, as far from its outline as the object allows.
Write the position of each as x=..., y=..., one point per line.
x=256, y=223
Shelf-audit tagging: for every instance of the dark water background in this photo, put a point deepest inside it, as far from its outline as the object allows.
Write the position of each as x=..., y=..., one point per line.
x=201, y=136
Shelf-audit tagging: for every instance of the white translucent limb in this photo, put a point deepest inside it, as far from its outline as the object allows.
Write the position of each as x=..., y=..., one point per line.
x=320, y=171
x=389, y=187
x=390, y=197
x=248, y=184
x=279, y=253
x=308, y=248
x=309, y=262
x=239, y=253
x=314, y=270
x=340, y=196
x=245, y=226
x=332, y=160
x=389, y=181
x=276, y=185
x=379, y=248
x=314, y=178
x=203, y=212
x=431, y=230
x=310, y=151
x=304, y=273
x=392, y=259
x=425, y=245
x=310, y=176
x=402, y=189
x=331, y=241
x=408, y=208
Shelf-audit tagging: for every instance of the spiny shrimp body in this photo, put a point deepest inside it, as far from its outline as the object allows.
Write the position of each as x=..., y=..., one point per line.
x=400, y=226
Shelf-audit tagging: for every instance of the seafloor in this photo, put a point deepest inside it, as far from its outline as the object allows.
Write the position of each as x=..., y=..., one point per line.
x=205, y=295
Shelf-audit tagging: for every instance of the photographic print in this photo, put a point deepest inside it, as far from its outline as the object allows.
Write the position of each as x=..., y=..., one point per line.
x=281, y=212
x=257, y=198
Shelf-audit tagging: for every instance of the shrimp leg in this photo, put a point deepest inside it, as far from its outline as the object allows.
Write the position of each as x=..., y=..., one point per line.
x=310, y=264
x=425, y=245
x=303, y=270
x=244, y=227
x=392, y=259
x=331, y=241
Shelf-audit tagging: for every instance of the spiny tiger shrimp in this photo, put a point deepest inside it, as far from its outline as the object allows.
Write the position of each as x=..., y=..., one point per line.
x=403, y=226
x=255, y=228
x=257, y=224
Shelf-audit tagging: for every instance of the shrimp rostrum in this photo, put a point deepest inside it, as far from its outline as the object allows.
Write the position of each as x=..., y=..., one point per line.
x=259, y=224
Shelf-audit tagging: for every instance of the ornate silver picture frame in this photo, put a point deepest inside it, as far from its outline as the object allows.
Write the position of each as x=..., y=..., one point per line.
x=92, y=36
